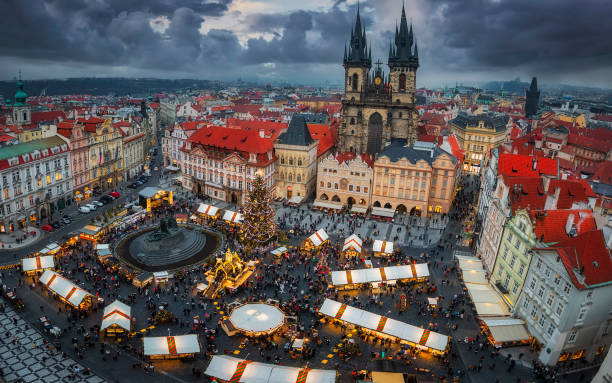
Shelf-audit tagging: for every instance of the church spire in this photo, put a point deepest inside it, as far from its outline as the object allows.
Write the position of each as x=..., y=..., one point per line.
x=357, y=54
x=404, y=41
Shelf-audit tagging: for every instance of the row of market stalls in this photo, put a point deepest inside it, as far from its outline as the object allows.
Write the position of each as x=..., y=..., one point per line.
x=384, y=327
x=353, y=245
x=211, y=211
x=229, y=369
x=495, y=320
x=66, y=290
x=353, y=279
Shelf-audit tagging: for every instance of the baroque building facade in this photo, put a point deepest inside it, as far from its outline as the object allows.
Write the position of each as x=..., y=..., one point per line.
x=378, y=107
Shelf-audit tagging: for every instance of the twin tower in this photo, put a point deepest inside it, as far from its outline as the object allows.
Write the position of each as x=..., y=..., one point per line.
x=378, y=108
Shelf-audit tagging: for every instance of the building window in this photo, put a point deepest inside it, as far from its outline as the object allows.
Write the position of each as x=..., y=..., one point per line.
x=550, y=299
x=541, y=322
x=557, y=279
x=526, y=303
x=521, y=268
x=572, y=336
x=322, y=184
x=512, y=261
x=541, y=291
x=559, y=310
x=515, y=288
x=551, y=329
x=582, y=314
x=539, y=264
x=567, y=288
x=534, y=312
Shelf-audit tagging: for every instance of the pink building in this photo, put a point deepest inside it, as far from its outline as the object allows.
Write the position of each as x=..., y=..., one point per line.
x=79, y=156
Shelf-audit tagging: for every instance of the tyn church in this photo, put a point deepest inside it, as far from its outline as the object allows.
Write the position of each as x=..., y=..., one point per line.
x=378, y=108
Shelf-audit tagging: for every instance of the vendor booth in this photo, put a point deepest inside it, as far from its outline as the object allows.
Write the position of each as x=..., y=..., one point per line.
x=36, y=264
x=352, y=279
x=352, y=246
x=161, y=276
x=142, y=279
x=67, y=291
x=361, y=210
x=279, y=251
x=104, y=251
x=153, y=197
x=315, y=241
x=51, y=249
x=382, y=213
x=382, y=248
x=232, y=217
x=326, y=205
x=486, y=300
x=295, y=200
x=386, y=327
x=208, y=210
x=117, y=319
x=229, y=369
x=90, y=233
x=255, y=319
x=171, y=347
x=505, y=331
x=181, y=217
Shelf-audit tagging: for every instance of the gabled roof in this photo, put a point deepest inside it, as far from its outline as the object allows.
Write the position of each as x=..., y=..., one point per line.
x=586, y=259
x=519, y=165
x=603, y=173
x=297, y=133
x=343, y=157
x=325, y=135
x=550, y=225
x=525, y=193
x=570, y=191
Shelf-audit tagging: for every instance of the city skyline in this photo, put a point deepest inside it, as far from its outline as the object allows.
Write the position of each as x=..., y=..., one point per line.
x=468, y=41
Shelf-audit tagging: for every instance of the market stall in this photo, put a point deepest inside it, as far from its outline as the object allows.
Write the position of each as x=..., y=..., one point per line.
x=352, y=246
x=67, y=291
x=295, y=200
x=161, y=276
x=181, y=217
x=142, y=279
x=36, y=264
x=327, y=205
x=229, y=369
x=51, y=249
x=104, y=251
x=382, y=213
x=486, y=300
x=232, y=217
x=361, y=210
x=255, y=319
x=352, y=279
x=171, y=347
x=116, y=319
x=315, y=241
x=505, y=331
x=382, y=248
x=386, y=327
x=90, y=233
x=279, y=251
x=208, y=210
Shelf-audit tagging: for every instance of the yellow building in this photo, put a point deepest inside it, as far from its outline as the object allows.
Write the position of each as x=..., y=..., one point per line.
x=578, y=120
x=105, y=153
x=477, y=135
x=417, y=180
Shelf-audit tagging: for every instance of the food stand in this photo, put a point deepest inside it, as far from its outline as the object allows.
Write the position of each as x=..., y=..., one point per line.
x=382, y=248
x=232, y=217
x=67, y=291
x=279, y=251
x=161, y=276
x=256, y=319
x=505, y=331
x=117, y=319
x=51, y=249
x=352, y=279
x=35, y=264
x=142, y=279
x=104, y=251
x=386, y=328
x=90, y=233
x=315, y=241
x=352, y=246
x=153, y=197
x=208, y=211
x=171, y=347
x=225, y=369
x=181, y=217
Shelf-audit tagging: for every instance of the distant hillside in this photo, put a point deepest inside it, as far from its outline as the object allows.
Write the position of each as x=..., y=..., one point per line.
x=515, y=86
x=105, y=86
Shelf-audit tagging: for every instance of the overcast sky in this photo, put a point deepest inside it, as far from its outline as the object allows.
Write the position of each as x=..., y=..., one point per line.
x=465, y=41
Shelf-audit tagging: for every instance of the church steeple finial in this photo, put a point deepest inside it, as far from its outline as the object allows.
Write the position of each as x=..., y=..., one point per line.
x=404, y=53
x=357, y=53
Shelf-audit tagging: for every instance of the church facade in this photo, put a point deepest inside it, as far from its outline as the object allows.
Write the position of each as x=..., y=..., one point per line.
x=378, y=107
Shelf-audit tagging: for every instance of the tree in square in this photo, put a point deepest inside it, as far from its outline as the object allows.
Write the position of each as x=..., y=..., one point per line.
x=259, y=218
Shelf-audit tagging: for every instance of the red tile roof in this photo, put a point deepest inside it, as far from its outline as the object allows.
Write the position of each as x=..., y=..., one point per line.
x=603, y=173
x=49, y=116
x=323, y=133
x=342, y=157
x=270, y=127
x=570, y=191
x=525, y=193
x=550, y=224
x=586, y=259
x=518, y=165
x=589, y=143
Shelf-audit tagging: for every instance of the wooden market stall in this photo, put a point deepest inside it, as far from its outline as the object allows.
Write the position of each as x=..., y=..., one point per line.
x=181, y=217
x=35, y=264
x=171, y=347
x=117, y=319
x=384, y=327
x=90, y=233
x=67, y=291
x=208, y=210
x=232, y=217
x=161, y=276
x=382, y=248
x=104, y=251
x=315, y=241
x=352, y=279
x=279, y=251
x=226, y=368
x=505, y=331
x=353, y=246
x=257, y=319
x=142, y=279
x=51, y=249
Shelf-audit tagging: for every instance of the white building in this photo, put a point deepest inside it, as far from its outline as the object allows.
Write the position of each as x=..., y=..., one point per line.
x=133, y=147
x=174, y=139
x=35, y=181
x=488, y=183
x=566, y=301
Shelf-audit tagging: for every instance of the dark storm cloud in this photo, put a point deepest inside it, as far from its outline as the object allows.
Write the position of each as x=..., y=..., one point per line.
x=547, y=35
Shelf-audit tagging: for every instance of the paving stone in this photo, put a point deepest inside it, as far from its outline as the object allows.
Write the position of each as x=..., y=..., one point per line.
x=10, y=377
x=62, y=373
x=24, y=372
x=36, y=366
x=12, y=361
x=68, y=362
x=30, y=378
x=7, y=355
x=50, y=379
x=29, y=361
x=42, y=372
x=94, y=379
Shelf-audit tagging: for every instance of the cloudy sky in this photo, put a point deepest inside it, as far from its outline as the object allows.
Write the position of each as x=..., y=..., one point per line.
x=466, y=41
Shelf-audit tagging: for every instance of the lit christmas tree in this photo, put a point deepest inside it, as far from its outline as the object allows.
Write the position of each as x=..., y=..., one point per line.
x=259, y=222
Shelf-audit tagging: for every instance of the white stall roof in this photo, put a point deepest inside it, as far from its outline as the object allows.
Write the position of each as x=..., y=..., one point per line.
x=354, y=242
x=504, y=329
x=383, y=212
x=63, y=287
x=382, y=246
x=384, y=325
x=232, y=216
x=208, y=209
x=359, y=209
x=296, y=199
x=475, y=276
x=160, y=275
x=318, y=237
x=160, y=345
x=223, y=367
x=279, y=251
x=201, y=286
x=37, y=263
x=257, y=317
x=486, y=300
x=102, y=246
x=117, y=313
x=53, y=247
x=345, y=277
x=470, y=265
x=328, y=205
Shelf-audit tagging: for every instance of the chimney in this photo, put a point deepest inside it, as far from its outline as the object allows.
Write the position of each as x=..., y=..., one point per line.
x=262, y=134
x=551, y=200
x=545, y=183
x=534, y=164
x=569, y=225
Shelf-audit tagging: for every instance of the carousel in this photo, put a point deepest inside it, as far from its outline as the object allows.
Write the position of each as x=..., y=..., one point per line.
x=256, y=319
x=229, y=272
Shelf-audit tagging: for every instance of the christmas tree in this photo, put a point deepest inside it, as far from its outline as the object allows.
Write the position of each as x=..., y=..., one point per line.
x=259, y=222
